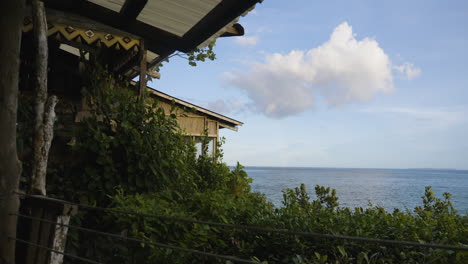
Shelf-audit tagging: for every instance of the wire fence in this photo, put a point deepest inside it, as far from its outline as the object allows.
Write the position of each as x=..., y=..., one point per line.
x=55, y=251
x=217, y=224
x=147, y=242
x=271, y=230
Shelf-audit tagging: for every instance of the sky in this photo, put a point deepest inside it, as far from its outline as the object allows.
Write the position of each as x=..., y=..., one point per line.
x=347, y=84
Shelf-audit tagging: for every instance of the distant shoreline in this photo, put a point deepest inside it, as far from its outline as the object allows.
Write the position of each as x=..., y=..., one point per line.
x=354, y=168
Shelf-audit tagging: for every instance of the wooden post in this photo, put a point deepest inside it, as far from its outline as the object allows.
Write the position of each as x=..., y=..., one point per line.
x=45, y=233
x=41, y=155
x=60, y=235
x=143, y=69
x=11, y=23
x=43, y=129
x=43, y=135
x=60, y=239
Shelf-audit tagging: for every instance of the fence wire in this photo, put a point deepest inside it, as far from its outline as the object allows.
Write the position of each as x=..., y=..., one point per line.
x=157, y=244
x=266, y=229
x=55, y=251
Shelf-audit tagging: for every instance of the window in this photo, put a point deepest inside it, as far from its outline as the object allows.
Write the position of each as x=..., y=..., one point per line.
x=211, y=145
x=198, y=146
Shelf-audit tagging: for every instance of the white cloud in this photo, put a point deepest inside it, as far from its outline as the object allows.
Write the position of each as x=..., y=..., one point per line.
x=342, y=70
x=228, y=106
x=264, y=30
x=408, y=70
x=427, y=118
x=246, y=41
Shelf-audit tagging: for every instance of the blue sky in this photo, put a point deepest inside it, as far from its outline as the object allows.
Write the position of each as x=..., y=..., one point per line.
x=369, y=84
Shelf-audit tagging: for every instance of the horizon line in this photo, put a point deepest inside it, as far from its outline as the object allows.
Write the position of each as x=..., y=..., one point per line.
x=371, y=168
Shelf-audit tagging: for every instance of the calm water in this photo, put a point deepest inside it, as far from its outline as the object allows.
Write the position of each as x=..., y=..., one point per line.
x=390, y=188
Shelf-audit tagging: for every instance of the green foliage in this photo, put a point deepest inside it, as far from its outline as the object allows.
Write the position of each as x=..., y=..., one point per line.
x=202, y=54
x=299, y=213
x=136, y=148
x=239, y=183
x=127, y=144
x=215, y=205
x=436, y=223
x=213, y=173
x=196, y=55
x=131, y=155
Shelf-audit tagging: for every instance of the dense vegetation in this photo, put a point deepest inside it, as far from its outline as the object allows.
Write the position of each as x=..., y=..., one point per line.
x=132, y=156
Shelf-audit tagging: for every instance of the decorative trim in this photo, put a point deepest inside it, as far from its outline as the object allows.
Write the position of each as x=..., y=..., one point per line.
x=88, y=36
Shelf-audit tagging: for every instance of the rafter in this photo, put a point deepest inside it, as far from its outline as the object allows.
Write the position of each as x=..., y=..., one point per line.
x=132, y=8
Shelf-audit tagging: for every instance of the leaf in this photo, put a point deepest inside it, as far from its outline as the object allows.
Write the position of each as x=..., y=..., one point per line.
x=361, y=257
x=317, y=255
x=342, y=251
x=224, y=219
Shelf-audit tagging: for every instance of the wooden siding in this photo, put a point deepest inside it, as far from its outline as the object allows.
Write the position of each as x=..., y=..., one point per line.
x=192, y=124
x=212, y=127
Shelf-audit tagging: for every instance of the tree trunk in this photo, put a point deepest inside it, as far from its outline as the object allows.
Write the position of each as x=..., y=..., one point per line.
x=143, y=69
x=11, y=22
x=40, y=149
x=42, y=155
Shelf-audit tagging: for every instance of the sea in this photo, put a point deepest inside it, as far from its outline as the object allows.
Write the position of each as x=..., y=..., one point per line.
x=389, y=188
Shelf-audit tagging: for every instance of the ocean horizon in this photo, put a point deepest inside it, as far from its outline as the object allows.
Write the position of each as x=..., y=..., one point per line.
x=346, y=168
x=358, y=187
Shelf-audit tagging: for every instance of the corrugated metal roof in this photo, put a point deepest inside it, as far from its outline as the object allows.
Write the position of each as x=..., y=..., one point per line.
x=174, y=16
x=114, y=5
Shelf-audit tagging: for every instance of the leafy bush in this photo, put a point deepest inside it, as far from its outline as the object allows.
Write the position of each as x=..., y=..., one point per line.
x=131, y=155
x=435, y=222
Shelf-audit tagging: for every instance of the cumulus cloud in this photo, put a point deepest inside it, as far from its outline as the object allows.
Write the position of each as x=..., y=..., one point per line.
x=342, y=70
x=408, y=70
x=246, y=41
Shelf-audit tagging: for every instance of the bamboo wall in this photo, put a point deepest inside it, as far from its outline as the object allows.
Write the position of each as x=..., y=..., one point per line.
x=191, y=123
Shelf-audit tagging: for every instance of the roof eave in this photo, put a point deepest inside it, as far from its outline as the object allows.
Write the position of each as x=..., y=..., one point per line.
x=225, y=121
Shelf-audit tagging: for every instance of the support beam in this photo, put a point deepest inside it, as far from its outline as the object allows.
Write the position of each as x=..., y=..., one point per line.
x=153, y=74
x=235, y=31
x=41, y=59
x=11, y=23
x=41, y=157
x=143, y=67
x=131, y=9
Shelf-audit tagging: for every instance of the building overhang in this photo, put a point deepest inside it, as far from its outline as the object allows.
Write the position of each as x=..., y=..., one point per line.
x=165, y=26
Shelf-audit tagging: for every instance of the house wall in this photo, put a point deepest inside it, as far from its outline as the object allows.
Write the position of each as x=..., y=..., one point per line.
x=194, y=125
